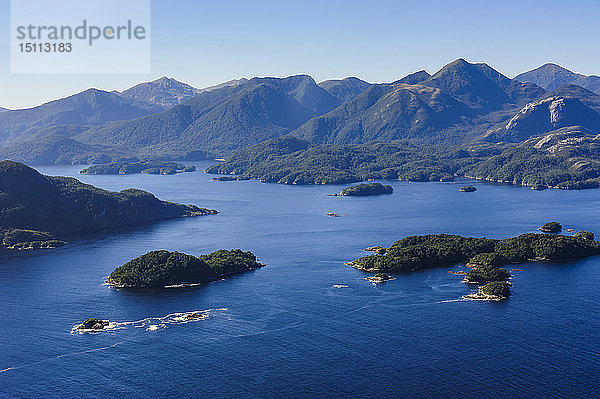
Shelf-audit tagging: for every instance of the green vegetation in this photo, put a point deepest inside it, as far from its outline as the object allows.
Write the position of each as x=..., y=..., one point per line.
x=552, y=227
x=485, y=274
x=420, y=252
x=15, y=236
x=468, y=189
x=484, y=255
x=364, y=189
x=568, y=158
x=377, y=249
x=499, y=289
x=127, y=168
x=36, y=209
x=289, y=160
x=586, y=235
x=229, y=178
x=163, y=268
x=487, y=259
x=24, y=239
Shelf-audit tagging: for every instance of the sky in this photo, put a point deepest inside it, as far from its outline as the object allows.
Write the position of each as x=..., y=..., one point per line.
x=204, y=43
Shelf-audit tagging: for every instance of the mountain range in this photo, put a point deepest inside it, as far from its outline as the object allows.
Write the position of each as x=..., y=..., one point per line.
x=461, y=103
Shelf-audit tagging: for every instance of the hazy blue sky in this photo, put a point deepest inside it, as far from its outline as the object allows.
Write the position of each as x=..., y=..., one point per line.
x=208, y=42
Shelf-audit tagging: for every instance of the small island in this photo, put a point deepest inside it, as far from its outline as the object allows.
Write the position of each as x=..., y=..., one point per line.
x=25, y=239
x=333, y=214
x=493, y=291
x=164, y=269
x=484, y=256
x=468, y=189
x=379, y=278
x=552, y=227
x=230, y=178
x=128, y=168
x=93, y=324
x=365, y=189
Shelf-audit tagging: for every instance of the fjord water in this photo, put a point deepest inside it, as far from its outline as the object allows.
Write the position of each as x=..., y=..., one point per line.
x=285, y=330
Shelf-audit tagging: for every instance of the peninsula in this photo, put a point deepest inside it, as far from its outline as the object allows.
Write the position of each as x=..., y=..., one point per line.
x=37, y=211
x=128, y=168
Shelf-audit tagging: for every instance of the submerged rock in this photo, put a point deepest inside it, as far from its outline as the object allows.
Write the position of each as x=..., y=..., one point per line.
x=379, y=278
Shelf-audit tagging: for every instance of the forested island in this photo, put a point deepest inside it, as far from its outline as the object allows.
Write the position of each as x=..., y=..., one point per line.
x=484, y=256
x=158, y=269
x=365, y=189
x=128, y=168
x=37, y=211
x=551, y=227
x=230, y=178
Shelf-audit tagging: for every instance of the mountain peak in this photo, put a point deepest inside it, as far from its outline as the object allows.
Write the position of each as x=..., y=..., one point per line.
x=459, y=62
x=552, y=76
x=551, y=65
x=414, y=78
x=165, y=92
x=478, y=85
x=345, y=89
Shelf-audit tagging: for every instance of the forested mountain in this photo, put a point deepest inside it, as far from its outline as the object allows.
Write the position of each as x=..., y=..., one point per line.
x=34, y=206
x=486, y=125
x=220, y=120
x=462, y=104
x=386, y=112
x=71, y=115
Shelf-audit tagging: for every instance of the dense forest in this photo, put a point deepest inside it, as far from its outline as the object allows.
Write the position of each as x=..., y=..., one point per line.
x=163, y=268
x=35, y=208
x=484, y=256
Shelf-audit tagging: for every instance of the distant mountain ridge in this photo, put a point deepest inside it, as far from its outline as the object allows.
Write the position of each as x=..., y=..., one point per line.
x=88, y=108
x=552, y=76
x=165, y=119
x=223, y=119
x=345, y=89
x=453, y=96
x=414, y=78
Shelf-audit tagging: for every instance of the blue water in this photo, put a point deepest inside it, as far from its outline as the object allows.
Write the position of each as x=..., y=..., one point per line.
x=283, y=330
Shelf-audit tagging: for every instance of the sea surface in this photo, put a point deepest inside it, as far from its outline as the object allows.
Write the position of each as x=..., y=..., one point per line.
x=306, y=325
